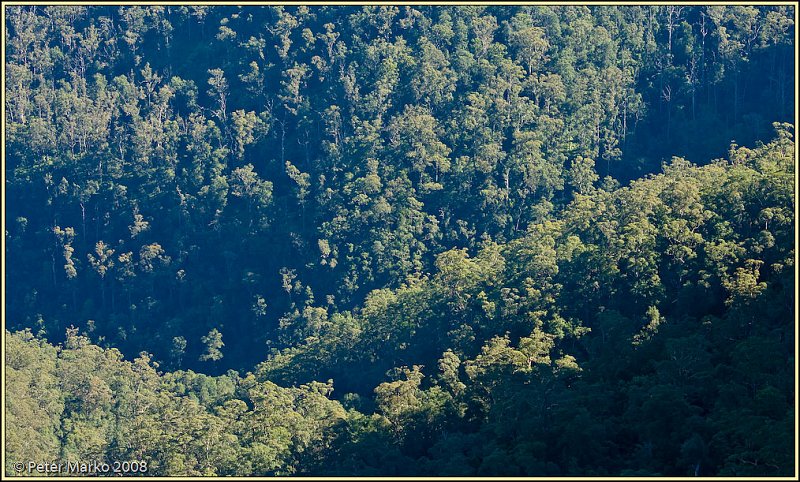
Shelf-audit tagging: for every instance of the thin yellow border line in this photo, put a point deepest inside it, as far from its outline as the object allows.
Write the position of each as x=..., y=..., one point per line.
x=395, y=3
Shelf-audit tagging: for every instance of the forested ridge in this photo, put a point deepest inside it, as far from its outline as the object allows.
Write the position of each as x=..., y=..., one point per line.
x=401, y=240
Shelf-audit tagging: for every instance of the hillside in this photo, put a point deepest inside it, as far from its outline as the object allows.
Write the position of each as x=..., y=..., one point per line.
x=396, y=240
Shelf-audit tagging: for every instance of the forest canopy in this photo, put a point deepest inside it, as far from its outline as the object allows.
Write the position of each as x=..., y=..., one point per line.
x=401, y=240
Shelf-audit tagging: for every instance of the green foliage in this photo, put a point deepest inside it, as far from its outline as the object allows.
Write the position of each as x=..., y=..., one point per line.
x=213, y=346
x=81, y=402
x=508, y=233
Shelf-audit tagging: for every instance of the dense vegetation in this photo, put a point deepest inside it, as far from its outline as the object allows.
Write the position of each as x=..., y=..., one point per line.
x=401, y=241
